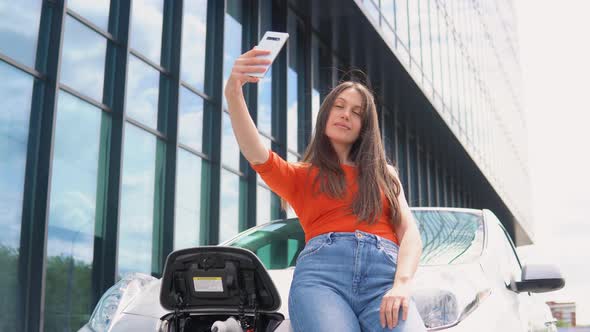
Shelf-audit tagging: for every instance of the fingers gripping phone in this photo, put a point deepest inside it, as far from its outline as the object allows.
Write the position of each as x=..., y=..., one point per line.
x=271, y=41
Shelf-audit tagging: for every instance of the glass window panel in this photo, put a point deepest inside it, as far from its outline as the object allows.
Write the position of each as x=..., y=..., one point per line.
x=83, y=59
x=292, y=107
x=265, y=103
x=293, y=78
x=194, y=32
x=72, y=210
x=463, y=98
x=142, y=92
x=315, y=90
x=435, y=40
x=445, y=60
x=401, y=15
x=315, y=106
x=188, y=200
x=229, y=209
x=291, y=157
x=232, y=41
x=19, y=27
x=15, y=93
x=262, y=205
x=373, y=10
x=137, y=201
x=96, y=11
x=146, y=28
x=452, y=74
x=388, y=12
x=414, y=21
x=230, y=150
x=425, y=35
x=190, y=122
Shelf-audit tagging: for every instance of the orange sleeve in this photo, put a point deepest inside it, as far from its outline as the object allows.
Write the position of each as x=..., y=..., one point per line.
x=279, y=175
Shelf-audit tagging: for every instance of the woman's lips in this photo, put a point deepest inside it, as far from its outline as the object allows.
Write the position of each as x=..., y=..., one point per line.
x=341, y=126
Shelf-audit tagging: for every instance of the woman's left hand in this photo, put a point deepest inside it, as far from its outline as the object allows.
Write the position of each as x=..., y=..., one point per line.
x=396, y=298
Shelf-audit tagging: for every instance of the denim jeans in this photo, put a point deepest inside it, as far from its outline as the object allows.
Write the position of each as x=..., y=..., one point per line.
x=339, y=282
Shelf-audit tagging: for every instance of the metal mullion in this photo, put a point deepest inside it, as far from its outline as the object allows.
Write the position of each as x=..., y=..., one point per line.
x=37, y=186
x=105, y=262
x=193, y=151
x=233, y=170
x=250, y=36
x=195, y=91
x=149, y=62
x=164, y=199
x=22, y=67
x=91, y=25
x=212, y=118
x=84, y=97
x=154, y=132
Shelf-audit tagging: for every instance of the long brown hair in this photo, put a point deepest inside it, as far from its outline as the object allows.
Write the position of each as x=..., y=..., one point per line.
x=368, y=154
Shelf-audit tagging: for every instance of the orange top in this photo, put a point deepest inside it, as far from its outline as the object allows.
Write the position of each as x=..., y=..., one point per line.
x=320, y=214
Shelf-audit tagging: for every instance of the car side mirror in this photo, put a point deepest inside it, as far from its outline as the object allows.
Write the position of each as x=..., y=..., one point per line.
x=539, y=278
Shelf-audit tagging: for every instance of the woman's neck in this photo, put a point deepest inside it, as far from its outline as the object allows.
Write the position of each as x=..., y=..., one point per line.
x=343, y=151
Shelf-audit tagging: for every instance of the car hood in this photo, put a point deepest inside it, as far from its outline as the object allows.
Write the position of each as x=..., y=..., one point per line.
x=428, y=282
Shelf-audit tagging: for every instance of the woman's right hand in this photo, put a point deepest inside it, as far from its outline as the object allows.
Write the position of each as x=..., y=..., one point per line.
x=248, y=62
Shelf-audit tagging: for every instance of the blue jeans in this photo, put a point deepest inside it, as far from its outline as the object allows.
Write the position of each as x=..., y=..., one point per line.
x=339, y=282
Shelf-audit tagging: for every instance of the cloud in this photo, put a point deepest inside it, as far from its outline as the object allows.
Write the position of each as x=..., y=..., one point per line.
x=146, y=28
x=194, y=31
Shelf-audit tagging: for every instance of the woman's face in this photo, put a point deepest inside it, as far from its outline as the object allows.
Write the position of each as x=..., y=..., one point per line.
x=344, y=122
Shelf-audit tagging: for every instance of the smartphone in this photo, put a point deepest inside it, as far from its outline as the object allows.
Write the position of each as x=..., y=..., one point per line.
x=271, y=41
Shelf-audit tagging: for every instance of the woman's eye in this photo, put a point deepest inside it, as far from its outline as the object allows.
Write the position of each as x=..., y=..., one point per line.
x=357, y=113
x=338, y=106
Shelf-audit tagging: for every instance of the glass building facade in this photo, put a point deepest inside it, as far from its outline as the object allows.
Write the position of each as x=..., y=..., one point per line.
x=117, y=146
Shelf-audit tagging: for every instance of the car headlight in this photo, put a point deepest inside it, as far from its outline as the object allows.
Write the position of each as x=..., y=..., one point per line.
x=116, y=298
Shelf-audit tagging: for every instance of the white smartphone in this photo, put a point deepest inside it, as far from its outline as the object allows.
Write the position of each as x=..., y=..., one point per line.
x=271, y=41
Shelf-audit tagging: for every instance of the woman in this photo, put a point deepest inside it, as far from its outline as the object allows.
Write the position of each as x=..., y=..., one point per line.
x=362, y=244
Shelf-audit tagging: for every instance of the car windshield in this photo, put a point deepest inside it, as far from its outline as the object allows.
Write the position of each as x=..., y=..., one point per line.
x=448, y=237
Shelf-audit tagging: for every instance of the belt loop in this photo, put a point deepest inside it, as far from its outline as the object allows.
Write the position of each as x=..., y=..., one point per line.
x=329, y=237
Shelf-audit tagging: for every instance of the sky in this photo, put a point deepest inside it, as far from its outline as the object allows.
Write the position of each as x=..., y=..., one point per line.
x=555, y=55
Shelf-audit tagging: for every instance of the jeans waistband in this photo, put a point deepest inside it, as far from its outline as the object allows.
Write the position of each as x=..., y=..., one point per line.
x=357, y=234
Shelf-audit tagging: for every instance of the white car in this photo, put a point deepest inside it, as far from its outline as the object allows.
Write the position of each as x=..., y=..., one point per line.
x=469, y=279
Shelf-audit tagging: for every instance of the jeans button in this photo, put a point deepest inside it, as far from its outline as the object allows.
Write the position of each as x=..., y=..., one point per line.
x=359, y=235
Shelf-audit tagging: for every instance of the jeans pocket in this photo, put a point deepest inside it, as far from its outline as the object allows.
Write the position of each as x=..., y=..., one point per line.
x=312, y=247
x=390, y=250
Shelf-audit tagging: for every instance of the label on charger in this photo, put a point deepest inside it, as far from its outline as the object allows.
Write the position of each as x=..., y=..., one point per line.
x=208, y=284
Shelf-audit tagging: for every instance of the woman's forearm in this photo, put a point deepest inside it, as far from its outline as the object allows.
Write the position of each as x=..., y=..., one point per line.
x=408, y=257
x=244, y=128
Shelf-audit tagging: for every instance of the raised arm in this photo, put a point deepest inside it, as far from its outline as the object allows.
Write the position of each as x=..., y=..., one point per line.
x=243, y=126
